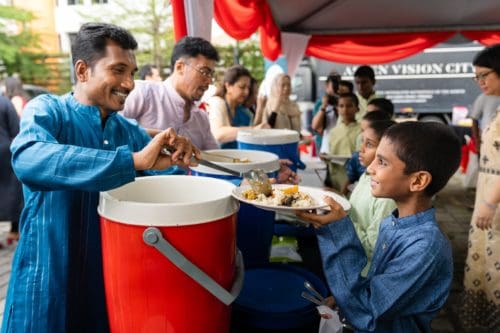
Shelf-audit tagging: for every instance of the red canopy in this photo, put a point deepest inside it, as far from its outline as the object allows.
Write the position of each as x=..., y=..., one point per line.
x=241, y=18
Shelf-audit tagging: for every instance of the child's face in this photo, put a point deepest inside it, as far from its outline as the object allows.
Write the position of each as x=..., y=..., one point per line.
x=369, y=144
x=387, y=173
x=347, y=109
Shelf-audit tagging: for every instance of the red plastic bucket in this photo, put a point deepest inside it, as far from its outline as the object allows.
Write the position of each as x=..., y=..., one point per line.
x=145, y=290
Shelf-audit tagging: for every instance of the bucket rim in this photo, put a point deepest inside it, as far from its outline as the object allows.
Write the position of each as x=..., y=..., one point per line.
x=268, y=136
x=122, y=210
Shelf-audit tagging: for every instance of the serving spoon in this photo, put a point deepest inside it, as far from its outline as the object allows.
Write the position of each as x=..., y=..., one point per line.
x=257, y=178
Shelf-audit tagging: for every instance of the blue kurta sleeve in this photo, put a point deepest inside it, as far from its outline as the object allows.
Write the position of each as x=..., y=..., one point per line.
x=401, y=283
x=43, y=161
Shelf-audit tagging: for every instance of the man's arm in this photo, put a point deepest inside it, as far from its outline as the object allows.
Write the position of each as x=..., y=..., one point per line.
x=43, y=163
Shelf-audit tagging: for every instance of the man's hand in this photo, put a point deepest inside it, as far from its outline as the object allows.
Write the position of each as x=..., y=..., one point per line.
x=318, y=220
x=152, y=158
x=285, y=174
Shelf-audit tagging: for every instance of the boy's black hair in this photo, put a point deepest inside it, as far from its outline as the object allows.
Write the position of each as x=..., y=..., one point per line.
x=383, y=104
x=92, y=38
x=489, y=58
x=348, y=84
x=427, y=146
x=365, y=71
x=146, y=70
x=352, y=96
x=380, y=126
x=376, y=116
x=190, y=47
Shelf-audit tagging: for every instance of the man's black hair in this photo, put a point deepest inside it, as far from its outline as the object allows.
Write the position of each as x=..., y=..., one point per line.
x=92, y=38
x=383, y=104
x=190, y=47
x=427, y=146
x=365, y=71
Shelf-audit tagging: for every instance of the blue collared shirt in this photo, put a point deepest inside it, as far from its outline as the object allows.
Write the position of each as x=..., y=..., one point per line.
x=409, y=279
x=64, y=156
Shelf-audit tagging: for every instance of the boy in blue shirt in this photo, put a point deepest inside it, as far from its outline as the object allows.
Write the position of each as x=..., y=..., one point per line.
x=412, y=265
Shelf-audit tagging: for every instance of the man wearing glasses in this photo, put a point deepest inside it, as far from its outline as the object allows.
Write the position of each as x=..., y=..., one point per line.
x=173, y=102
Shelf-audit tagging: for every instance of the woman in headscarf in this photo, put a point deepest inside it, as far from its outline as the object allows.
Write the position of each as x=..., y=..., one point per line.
x=280, y=111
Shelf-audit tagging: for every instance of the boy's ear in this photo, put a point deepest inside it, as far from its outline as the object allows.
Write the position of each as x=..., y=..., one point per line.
x=420, y=180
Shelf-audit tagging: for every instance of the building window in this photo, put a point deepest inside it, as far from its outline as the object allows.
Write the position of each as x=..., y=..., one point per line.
x=75, y=2
x=99, y=2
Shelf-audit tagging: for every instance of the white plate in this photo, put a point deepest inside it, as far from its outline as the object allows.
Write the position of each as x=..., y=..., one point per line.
x=316, y=194
x=337, y=159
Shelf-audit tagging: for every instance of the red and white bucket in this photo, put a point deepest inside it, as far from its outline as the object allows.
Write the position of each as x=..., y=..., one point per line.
x=169, y=254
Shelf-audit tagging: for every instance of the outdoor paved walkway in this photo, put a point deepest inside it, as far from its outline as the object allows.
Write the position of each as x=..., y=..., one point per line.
x=454, y=210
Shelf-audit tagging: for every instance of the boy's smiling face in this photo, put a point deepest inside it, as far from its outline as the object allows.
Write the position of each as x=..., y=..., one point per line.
x=387, y=173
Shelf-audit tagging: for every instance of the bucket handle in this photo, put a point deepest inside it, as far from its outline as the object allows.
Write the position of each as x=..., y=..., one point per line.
x=153, y=237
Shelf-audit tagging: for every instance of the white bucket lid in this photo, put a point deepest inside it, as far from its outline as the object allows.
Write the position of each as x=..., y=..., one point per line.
x=268, y=136
x=264, y=160
x=169, y=201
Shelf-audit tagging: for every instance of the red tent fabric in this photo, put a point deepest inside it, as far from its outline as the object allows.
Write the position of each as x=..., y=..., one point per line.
x=372, y=48
x=485, y=37
x=241, y=18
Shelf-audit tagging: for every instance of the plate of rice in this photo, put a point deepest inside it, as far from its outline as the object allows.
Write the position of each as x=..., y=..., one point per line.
x=289, y=198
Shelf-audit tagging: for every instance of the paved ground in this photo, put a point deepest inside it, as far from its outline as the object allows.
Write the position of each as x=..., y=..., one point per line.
x=454, y=210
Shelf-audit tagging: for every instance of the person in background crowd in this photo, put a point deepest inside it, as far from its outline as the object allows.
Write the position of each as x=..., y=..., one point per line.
x=70, y=148
x=324, y=113
x=364, y=79
x=343, y=139
x=150, y=72
x=227, y=113
x=381, y=104
x=12, y=202
x=481, y=301
x=483, y=112
x=280, y=111
x=15, y=92
x=345, y=87
x=174, y=102
x=354, y=168
x=412, y=266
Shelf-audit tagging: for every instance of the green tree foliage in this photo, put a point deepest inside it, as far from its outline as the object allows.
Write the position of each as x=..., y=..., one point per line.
x=247, y=54
x=19, y=48
x=151, y=22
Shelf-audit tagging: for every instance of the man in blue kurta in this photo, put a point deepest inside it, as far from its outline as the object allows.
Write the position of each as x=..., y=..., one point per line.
x=69, y=148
